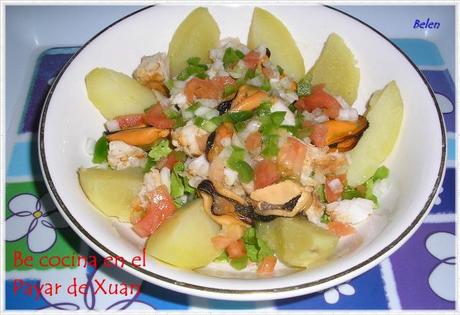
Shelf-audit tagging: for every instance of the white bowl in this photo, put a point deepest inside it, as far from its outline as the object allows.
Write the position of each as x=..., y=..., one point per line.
x=416, y=164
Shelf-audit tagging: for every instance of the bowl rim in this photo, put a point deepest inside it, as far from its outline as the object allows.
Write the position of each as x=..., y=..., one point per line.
x=227, y=293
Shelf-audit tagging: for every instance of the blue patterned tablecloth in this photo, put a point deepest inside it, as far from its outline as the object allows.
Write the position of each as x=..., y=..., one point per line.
x=420, y=275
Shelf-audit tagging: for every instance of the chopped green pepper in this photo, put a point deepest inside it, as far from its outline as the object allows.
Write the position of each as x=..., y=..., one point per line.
x=304, y=86
x=350, y=193
x=160, y=150
x=205, y=124
x=101, y=150
x=321, y=194
x=266, y=85
x=270, y=146
x=239, y=263
x=381, y=173
x=325, y=218
x=236, y=162
x=223, y=257
x=231, y=56
x=243, y=115
x=229, y=90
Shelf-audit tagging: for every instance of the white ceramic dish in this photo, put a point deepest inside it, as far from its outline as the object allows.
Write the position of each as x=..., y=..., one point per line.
x=417, y=163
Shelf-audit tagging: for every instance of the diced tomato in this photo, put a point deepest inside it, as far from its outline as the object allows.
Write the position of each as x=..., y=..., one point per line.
x=253, y=142
x=201, y=88
x=267, y=265
x=307, y=124
x=160, y=207
x=265, y=173
x=236, y=249
x=319, y=99
x=268, y=72
x=170, y=160
x=251, y=60
x=221, y=241
x=340, y=228
x=130, y=121
x=333, y=195
x=156, y=117
x=291, y=157
x=318, y=135
x=232, y=233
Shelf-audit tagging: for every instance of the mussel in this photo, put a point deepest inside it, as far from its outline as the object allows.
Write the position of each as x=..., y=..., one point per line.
x=224, y=107
x=333, y=132
x=139, y=136
x=284, y=199
x=248, y=98
x=213, y=144
x=224, y=206
x=348, y=144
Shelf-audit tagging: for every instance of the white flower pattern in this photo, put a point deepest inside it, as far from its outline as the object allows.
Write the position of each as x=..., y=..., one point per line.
x=438, y=199
x=332, y=295
x=36, y=219
x=442, y=277
x=445, y=104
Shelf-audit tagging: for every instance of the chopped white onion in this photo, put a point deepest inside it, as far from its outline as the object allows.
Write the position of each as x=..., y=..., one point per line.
x=348, y=114
x=165, y=175
x=320, y=119
x=206, y=102
x=112, y=125
x=230, y=176
x=252, y=125
x=335, y=185
x=201, y=111
x=179, y=84
x=289, y=118
x=187, y=115
x=179, y=98
x=226, y=142
x=198, y=166
x=211, y=114
x=261, y=49
x=256, y=81
x=236, y=140
x=350, y=211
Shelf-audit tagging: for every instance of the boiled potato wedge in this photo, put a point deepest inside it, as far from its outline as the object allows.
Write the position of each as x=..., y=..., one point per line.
x=297, y=242
x=112, y=191
x=114, y=93
x=267, y=29
x=194, y=37
x=385, y=116
x=336, y=68
x=184, y=240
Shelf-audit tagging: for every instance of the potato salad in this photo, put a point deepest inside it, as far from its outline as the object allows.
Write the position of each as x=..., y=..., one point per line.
x=220, y=151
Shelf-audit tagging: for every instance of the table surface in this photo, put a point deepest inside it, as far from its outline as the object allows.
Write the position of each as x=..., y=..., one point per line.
x=36, y=50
